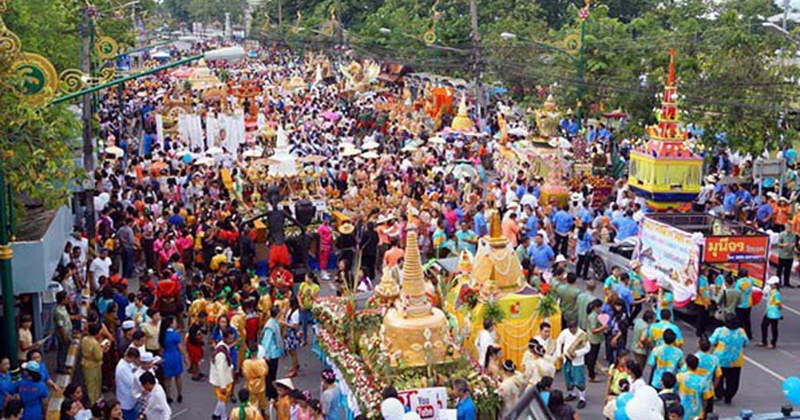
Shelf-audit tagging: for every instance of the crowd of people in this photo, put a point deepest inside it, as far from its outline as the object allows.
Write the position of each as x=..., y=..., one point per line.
x=178, y=276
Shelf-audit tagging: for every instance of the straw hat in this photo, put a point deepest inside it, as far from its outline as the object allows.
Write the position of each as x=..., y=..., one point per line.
x=286, y=383
x=346, y=228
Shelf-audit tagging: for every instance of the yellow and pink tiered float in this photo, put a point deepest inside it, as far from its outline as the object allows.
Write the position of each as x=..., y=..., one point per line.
x=495, y=282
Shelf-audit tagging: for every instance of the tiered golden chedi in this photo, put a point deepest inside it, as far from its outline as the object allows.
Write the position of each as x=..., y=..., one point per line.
x=461, y=122
x=496, y=267
x=414, y=331
x=202, y=78
x=387, y=291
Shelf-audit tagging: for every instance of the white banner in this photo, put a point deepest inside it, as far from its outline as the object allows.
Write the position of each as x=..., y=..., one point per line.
x=427, y=402
x=670, y=257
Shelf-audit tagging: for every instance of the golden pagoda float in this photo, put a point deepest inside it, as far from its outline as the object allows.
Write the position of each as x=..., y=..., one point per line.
x=399, y=338
x=496, y=288
x=664, y=171
x=202, y=78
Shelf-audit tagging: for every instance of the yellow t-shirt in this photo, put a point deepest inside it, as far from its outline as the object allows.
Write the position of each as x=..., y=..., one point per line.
x=255, y=375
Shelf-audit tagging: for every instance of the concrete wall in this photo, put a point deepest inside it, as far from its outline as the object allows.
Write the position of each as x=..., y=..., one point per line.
x=35, y=262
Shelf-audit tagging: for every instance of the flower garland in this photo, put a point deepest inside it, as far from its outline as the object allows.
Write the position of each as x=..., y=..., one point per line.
x=365, y=387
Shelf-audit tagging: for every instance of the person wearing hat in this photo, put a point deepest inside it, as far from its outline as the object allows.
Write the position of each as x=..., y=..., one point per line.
x=773, y=312
x=218, y=259
x=283, y=405
x=32, y=391
x=346, y=244
x=511, y=386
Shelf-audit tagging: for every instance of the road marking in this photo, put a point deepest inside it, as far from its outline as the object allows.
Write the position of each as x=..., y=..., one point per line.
x=751, y=360
x=179, y=413
x=792, y=310
x=766, y=369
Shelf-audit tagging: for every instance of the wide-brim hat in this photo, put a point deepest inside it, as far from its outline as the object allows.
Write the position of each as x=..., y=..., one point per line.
x=286, y=383
x=346, y=228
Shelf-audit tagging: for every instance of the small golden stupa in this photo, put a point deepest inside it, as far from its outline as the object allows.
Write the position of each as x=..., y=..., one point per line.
x=387, y=291
x=414, y=331
x=496, y=267
x=461, y=122
x=202, y=78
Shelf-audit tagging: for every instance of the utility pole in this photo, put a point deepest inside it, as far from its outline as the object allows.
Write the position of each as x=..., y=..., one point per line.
x=785, y=13
x=87, y=35
x=280, y=20
x=473, y=11
x=10, y=345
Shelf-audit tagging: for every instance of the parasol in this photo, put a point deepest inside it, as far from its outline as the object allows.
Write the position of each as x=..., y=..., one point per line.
x=115, y=151
x=312, y=159
x=349, y=151
x=331, y=116
x=370, y=155
x=253, y=153
x=205, y=161
x=266, y=162
x=518, y=131
x=436, y=140
x=462, y=170
x=369, y=145
x=410, y=148
x=214, y=151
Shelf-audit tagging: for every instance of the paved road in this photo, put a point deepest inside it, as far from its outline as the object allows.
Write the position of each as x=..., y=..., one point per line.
x=760, y=386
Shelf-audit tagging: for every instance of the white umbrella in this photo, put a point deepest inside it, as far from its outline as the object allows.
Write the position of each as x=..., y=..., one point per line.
x=370, y=155
x=410, y=148
x=436, y=140
x=370, y=145
x=256, y=152
x=205, y=161
x=349, y=151
x=518, y=131
x=214, y=151
x=115, y=151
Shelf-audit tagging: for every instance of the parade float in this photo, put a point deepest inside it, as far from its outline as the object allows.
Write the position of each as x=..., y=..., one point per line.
x=398, y=338
x=664, y=170
x=493, y=286
x=541, y=154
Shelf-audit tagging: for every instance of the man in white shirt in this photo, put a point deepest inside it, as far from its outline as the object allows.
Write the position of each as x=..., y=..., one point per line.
x=155, y=405
x=221, y=373
x=486, y=338
x=124, y=384
x=571, y=347
x=100, y=267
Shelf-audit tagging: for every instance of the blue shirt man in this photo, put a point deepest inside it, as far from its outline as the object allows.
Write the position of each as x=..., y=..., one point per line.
x=729, y=202
x=626, y=227
x=481, y=228
x=32, y=394
x=763, y=212
x=531, y=226
x=563, y=222
x=465, y=410
x=540, y=254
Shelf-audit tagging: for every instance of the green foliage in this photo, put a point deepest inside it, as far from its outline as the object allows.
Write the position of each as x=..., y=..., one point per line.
x=492, y=310
x=47, y=27
x=36, y=146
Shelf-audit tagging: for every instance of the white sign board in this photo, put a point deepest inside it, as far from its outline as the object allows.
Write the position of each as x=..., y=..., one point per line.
x=427, y=402
x=768, y=168
x=669, y=256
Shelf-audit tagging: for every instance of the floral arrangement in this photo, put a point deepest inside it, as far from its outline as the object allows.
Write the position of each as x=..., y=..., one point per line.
x=366, y=365
x=492, y=310
x=469, y=297
x=365, y=387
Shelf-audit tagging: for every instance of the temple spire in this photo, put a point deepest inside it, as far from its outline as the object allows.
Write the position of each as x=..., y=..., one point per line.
x=413, y=289
x=671, y=81
x=495, y=230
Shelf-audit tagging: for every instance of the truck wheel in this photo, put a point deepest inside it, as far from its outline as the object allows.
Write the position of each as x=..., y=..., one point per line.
x=598, y=269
